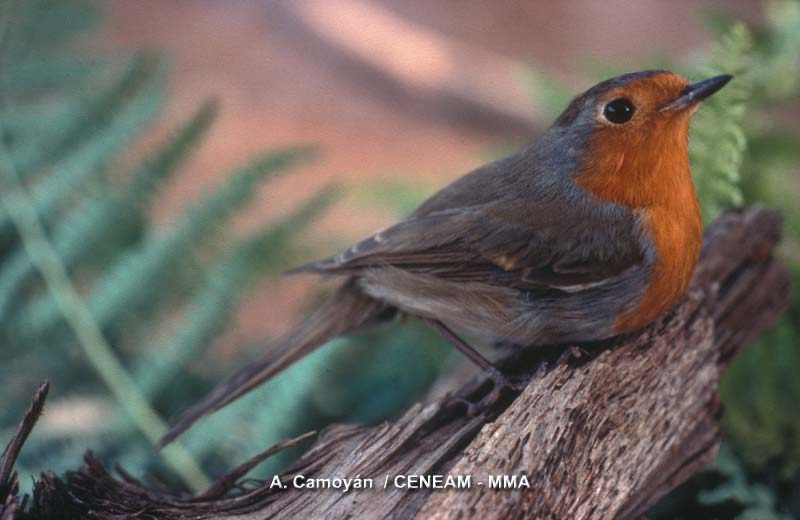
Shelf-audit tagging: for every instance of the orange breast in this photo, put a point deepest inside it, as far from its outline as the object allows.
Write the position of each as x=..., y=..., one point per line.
x=649, y=173
x=677, y=236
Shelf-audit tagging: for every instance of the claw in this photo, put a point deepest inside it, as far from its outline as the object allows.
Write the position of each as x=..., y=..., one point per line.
x=571, y=353
x=500, y=382
x=472, y=409
x=514, y=383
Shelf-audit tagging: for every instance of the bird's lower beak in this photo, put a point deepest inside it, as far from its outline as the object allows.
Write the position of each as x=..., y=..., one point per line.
x=697, y=91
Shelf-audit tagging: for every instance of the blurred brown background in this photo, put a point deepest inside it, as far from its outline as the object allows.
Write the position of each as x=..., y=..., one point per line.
x=416, y=90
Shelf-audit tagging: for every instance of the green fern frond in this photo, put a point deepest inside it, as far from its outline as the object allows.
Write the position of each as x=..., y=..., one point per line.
x=214, y=304
x=80, y=232
x=27, y=123
x=85, y=163
x=39, y=26
x=93, y=116
x=96, y=280
x=29, y=78
x=57, y=22
x=69, y=303
x=149, y=177
x=718, y=139
x=138, y=279
x=761, y=389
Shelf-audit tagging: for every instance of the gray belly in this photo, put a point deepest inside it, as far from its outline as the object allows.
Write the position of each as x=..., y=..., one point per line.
x=575, y=314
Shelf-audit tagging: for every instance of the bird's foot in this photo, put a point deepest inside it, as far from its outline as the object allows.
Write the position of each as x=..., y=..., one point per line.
x=570, y=354
x=500, y=383
x=516, y=383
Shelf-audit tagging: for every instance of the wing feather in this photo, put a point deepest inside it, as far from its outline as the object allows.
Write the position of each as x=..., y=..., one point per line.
x=480, y=244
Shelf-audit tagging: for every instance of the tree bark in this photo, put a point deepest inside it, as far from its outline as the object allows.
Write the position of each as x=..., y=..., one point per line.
x=600, y=431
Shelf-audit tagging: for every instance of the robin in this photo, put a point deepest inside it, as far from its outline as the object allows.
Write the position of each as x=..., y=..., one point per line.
x=591, y=231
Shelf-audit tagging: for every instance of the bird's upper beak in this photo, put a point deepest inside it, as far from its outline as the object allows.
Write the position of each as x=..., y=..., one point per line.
x=697, y=91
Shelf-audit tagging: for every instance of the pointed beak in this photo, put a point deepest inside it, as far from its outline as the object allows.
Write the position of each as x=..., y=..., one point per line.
x=697, y=91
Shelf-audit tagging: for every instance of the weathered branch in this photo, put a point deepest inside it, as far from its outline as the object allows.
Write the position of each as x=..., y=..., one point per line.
x=9, y=481
x=600, y=432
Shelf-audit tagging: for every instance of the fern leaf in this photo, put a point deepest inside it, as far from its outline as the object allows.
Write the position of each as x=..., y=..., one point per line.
x=78, y=235
x=141, y=277
x=153, y=172
x=214, y=304
x=57, y=22
x=96, y=113
x=718, y=140
x=48, y=73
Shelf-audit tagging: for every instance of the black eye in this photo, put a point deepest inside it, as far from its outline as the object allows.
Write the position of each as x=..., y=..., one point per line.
x=619, y=111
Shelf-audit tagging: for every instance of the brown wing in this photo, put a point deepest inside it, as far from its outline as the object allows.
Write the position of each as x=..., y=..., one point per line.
x=510, y=243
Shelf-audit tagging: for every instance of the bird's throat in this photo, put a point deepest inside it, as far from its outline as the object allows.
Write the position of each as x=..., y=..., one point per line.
x=654, y=180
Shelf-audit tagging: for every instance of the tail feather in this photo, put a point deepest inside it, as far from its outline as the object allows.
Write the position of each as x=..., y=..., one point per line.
x=348, y=310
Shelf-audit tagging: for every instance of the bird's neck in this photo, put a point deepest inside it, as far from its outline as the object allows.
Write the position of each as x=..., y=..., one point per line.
x=652, y=177
x=640, y=169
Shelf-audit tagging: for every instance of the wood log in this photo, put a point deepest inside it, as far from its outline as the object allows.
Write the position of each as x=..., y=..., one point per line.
x=600, y=431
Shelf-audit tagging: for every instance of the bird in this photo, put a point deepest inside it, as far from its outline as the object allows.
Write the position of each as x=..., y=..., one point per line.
x=591, y=231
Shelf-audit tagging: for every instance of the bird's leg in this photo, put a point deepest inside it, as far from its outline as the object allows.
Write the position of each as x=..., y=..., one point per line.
x=500, y=381
x=472, y=354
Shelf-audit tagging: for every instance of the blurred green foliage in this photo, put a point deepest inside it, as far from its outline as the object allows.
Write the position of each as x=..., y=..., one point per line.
x=744, y=150
x=719, y=139
x=158, y=295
